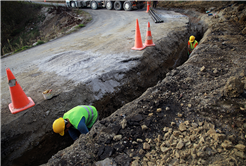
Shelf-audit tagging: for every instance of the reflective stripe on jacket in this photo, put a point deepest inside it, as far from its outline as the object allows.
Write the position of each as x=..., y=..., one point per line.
x=75, y=115
x=192, y=45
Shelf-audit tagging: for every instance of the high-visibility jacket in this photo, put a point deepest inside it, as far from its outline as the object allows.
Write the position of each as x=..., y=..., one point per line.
x=77, y=113
x=192, y=45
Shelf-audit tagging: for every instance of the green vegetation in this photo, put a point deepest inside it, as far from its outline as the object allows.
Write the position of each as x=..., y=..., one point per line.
x=81, y=25
x=89, y=19
x=40, y=42
x=77, y=27
x=22, y=49
x=79, y=12
x=19, y=30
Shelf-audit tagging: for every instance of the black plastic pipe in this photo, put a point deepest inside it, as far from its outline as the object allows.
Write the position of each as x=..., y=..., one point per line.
x=155, y=17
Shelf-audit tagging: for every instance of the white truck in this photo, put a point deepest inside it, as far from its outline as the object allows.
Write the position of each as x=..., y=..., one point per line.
x=117, y=5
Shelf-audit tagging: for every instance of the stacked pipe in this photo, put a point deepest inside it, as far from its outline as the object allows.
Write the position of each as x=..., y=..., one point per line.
x=155, y=17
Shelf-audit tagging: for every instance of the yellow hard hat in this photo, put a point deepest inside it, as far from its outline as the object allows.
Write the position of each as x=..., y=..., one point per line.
x=192, y=38
x=59, y=126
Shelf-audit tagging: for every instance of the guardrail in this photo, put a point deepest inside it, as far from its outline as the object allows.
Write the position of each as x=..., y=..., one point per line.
x=155, y=17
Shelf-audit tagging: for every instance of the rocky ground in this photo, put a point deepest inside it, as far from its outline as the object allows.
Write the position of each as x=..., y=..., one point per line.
x=194, y=116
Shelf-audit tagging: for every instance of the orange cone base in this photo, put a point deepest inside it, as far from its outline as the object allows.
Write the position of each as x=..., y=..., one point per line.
x=138, y=48
x=16, y=110
x=148, y=45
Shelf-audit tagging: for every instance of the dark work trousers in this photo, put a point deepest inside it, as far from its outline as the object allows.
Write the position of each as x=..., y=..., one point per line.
x=154, y=4
x=82, y=129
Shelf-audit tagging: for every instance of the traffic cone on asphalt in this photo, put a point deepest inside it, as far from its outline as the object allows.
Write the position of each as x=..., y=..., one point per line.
x=148, y=40
x=138, y=40
x=20, y=101
x=148, y=6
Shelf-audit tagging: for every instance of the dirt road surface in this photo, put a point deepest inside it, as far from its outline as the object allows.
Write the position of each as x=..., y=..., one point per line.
x=98, y=48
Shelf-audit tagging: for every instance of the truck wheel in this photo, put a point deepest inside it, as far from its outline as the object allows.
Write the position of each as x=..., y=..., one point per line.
x=73, y=4
x=94, y=5
x=109, y=5
x=127, y=6
x=117, y=5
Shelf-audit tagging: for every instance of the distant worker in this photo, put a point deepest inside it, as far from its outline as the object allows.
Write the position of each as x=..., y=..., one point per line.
x=154, y=4
x=76, y=121
x=192, y=43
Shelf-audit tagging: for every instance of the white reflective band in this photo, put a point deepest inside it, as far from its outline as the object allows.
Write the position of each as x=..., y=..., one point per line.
x=148, y=29
x=149, y=37
x=92, y=114
x=12, y=82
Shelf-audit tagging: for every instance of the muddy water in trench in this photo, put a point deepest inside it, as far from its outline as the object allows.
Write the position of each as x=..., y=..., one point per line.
x=51, y=143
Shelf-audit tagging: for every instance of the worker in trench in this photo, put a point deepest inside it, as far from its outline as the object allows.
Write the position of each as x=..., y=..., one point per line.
x=76, y=121
x=192, y=43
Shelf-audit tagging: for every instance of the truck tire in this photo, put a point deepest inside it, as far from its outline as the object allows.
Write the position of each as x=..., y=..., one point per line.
x=109, y=5
x=127, y=6
x=117, y=5
x=94, y=5
x=73, y=4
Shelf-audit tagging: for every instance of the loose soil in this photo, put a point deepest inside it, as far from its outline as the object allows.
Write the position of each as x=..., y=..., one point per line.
x=51, y=23
x=60, y=21
x=193, y=116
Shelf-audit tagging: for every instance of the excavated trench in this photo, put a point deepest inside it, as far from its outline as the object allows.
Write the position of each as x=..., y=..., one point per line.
x=154, y=64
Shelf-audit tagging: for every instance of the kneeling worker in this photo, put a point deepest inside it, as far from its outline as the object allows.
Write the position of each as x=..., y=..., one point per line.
x=76, y=121
x=192, y=43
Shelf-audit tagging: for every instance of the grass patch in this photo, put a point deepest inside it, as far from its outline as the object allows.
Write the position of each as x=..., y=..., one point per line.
x=40, y=42
x=22, y=49
x=78, y=12
x=77, y=27
x=81, y=25
x=89, y=19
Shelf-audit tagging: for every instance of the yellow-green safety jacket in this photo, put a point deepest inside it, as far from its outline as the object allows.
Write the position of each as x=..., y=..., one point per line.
x=77, y=113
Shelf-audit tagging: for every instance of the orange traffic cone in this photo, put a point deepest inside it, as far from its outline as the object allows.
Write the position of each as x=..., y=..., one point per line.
x=138, y=40
x=20, y=101
x=148, y=6
x=148, y=40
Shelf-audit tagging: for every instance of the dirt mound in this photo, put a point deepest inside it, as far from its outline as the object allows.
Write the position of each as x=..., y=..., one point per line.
x=60, y=21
